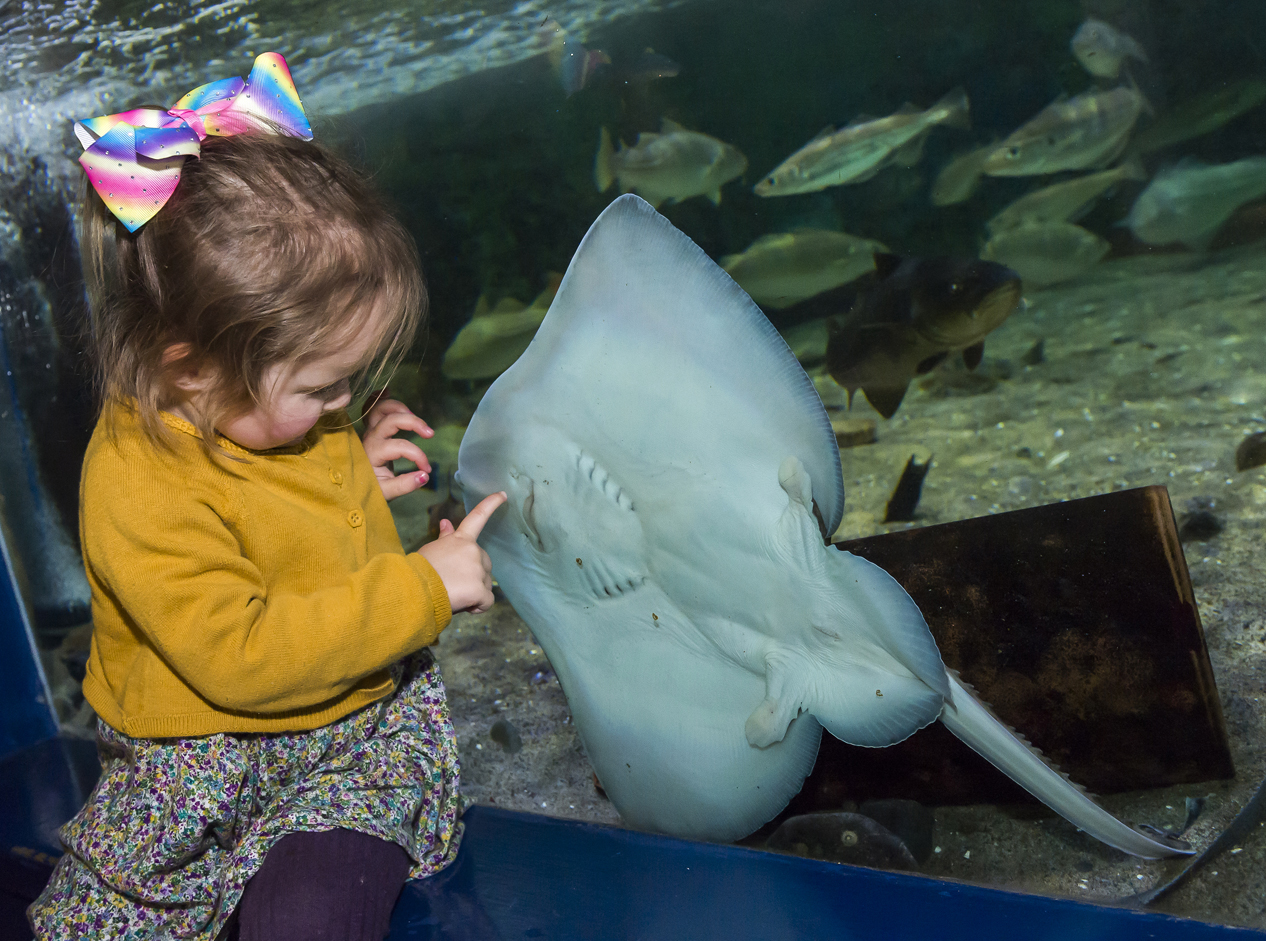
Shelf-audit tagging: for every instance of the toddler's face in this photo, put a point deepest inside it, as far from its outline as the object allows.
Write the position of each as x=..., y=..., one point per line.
x=296, y=397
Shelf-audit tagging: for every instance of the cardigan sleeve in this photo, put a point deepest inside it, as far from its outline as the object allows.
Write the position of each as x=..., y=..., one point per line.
x=172, y=564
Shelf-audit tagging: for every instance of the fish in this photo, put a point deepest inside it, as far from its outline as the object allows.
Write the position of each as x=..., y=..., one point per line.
x=673, y=165
x=1066, y=201
x=1046, y=253
x=670, y=472
x=1101, y=48
x=497, y=335
x=782, y=268
x=572, y=62
x=959, y=178
x=918, y=312
x=1199, y=114
x=863, y=148
x=1189, y=202
x=648, y=67
x=1089, y=130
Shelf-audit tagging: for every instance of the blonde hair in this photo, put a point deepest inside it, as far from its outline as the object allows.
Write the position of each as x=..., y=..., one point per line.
x=271, y=250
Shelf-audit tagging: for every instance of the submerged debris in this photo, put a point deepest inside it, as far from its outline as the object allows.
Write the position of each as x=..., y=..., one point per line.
x=1194, y=808
x=905, y=496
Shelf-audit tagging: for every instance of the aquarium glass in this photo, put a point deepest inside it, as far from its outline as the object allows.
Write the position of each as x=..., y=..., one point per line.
x=854, y=166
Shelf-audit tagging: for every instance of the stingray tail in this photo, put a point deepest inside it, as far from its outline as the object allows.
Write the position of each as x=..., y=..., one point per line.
x=973, y=722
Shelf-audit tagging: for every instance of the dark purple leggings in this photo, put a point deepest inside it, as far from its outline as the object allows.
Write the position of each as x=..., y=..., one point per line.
x=337, y=885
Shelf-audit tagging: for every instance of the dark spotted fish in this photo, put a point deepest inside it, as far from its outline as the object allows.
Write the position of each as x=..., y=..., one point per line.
x=918, y=312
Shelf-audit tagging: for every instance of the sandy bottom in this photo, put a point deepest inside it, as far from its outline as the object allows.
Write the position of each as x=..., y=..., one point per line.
x=1154, y=370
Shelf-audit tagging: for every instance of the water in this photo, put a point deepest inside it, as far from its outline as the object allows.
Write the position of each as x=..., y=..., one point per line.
x=1152, y=356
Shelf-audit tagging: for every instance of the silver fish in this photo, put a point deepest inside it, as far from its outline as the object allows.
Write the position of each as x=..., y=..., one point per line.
x=862, y=149
x=1063, y=202
x=1089, y=130
x=1189, y=202
x=496, y=336
x=674, y=164
x=782, y=268
x=959, y=178
x=1199, y=114
x=1101, y=48
x=1046, y=253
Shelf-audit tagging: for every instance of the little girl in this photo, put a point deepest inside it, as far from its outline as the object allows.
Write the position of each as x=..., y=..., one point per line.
x=277, y=755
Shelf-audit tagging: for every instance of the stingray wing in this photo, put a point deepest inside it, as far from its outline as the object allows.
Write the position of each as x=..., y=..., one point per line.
x=650, y=340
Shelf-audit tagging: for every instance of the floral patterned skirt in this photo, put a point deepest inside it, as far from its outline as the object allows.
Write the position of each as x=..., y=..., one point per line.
x=176, y=827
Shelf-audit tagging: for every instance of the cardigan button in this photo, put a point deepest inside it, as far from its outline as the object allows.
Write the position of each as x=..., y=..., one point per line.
x=336, y=477
x=355, y=518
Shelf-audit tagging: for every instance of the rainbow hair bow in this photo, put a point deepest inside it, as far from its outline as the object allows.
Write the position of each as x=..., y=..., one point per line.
x=133, y=159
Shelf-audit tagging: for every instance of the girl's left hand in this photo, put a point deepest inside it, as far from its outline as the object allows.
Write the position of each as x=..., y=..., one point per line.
x=386, y=419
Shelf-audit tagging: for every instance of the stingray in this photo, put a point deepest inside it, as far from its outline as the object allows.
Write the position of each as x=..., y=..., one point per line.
x=671, y=473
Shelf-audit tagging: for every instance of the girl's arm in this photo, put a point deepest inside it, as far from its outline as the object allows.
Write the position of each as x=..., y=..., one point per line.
x=167, y=566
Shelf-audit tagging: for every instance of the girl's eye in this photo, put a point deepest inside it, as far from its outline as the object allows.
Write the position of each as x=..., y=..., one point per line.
x=332, y=391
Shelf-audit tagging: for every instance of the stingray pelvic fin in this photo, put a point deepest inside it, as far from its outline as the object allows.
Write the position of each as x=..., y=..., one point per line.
x=768, y=722
x=973, y=722
x=798, y=538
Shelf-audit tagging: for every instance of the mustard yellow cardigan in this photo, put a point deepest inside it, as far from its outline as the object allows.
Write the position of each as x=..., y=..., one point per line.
x=264, y=594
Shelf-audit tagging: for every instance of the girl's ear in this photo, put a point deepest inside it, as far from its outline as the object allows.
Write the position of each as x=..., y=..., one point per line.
x=186, y=377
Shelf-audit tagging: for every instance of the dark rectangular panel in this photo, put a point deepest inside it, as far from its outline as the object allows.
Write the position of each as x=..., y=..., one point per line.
x=1076, y=622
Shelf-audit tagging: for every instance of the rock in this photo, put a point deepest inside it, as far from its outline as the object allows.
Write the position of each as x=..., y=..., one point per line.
x=842, y=838
x=1251, y=452
x=506, y=735
x=1199, y=523
x=850, y=432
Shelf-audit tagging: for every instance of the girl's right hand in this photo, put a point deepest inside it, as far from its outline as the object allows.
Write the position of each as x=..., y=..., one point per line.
x=462, y=565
